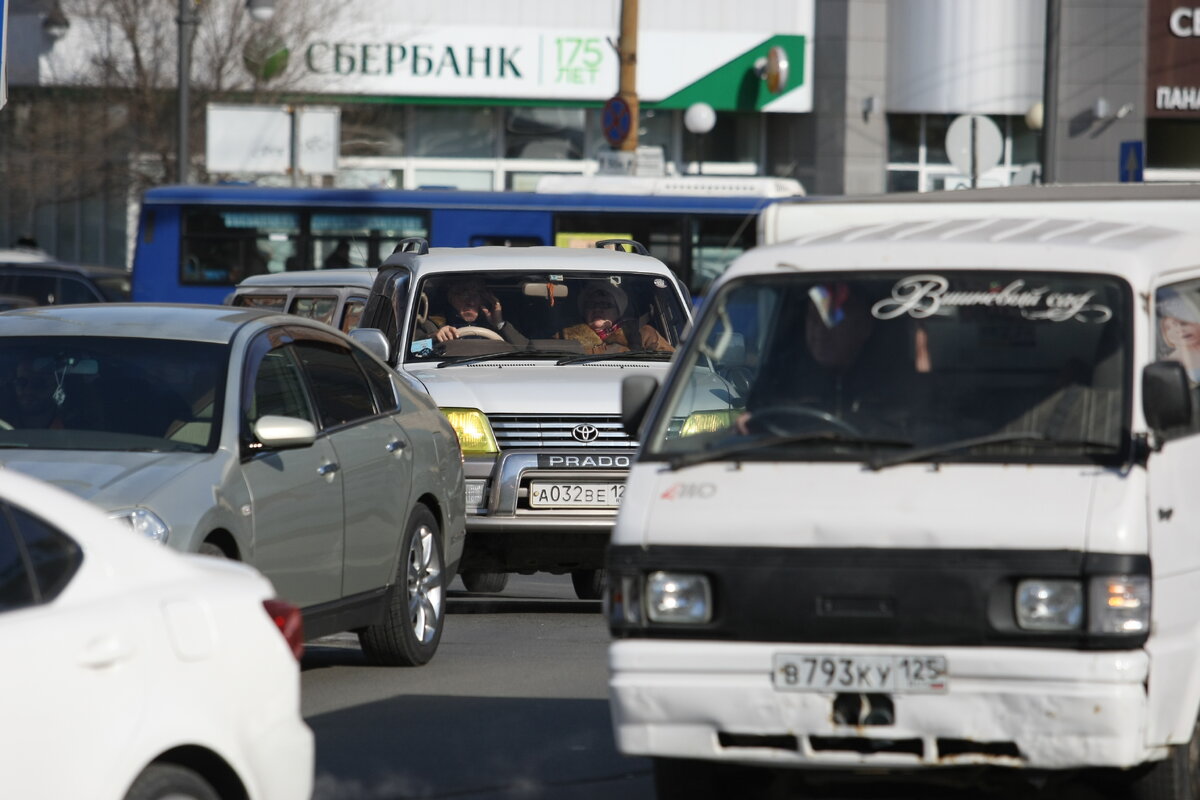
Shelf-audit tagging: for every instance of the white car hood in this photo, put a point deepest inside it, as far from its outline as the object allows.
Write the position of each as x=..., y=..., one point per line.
x=844, y=505
x=110, y=479
x=532, y=388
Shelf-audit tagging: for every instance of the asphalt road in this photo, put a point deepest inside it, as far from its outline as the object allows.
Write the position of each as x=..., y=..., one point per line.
x=513, y=706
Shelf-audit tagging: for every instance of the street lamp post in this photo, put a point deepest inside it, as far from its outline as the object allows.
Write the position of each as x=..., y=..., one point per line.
x=260, y=10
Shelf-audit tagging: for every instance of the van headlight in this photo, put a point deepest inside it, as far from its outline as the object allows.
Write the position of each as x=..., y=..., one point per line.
x=1049, y=604
x=143, y=521
x=1119, y=604
x=475, y=435
x=678, y=597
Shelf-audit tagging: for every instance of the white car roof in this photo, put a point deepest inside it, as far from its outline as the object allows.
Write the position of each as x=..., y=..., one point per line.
x=1137, y=252
x=323, y=278
x=542, y=258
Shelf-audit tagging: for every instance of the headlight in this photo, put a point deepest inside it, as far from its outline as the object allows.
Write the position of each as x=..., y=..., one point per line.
x=706, y=422
x=1049, y=604
x=1119, y=604
x=143, y=521
x=475, y=435
x=678, y=597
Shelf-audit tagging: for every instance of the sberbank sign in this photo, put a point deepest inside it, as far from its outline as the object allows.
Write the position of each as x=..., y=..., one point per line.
x=415, y=60
x=567, y=65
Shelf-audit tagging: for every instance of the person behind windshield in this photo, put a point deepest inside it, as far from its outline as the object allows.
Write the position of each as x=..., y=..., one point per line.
x=830, y=371
x=606, y=328
x=34, y=387
x=473, y=306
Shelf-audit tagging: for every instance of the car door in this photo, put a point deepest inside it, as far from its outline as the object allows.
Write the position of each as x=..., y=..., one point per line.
x=74, y=671
x=371, y=453
x=296, y=493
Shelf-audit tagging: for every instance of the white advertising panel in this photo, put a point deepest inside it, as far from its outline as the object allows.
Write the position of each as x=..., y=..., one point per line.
x=248, y=139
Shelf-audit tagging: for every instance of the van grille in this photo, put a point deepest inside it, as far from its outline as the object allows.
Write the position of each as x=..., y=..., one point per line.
x=514, y=431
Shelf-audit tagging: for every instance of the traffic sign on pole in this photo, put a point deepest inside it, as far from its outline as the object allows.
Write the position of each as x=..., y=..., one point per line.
x=1131, y=162
x=616, y=120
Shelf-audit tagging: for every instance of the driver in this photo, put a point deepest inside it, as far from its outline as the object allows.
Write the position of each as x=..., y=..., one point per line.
x=474, y=306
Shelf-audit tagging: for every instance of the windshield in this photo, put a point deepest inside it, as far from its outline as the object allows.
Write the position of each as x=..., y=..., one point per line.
x=101, y=393
x=476, y=316
x=890, y=367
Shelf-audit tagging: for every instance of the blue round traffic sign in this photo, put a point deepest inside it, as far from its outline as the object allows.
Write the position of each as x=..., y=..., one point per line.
x=616, y=120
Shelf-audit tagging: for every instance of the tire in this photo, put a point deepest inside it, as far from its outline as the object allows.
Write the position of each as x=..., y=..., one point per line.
x=589, y=583
x=210, y=549
x=170, y=782
x=485, y=582
x=1177, y=777
x=411, y=628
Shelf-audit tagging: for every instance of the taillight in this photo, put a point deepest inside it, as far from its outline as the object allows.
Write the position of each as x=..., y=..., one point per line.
x=287, y=618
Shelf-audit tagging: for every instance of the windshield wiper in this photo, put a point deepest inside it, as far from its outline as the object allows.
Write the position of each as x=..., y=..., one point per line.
x=741, y=446
x=455, y=361
x=659, y=355
x=1036, y=438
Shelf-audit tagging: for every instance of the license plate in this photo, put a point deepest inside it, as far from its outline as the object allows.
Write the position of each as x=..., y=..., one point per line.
x=575, y=495
x=884, y=673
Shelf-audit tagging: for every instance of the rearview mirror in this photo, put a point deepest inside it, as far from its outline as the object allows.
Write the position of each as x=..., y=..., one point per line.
x=636, y=393
x=1166, y=396
x=544, y=290
x=280, y=433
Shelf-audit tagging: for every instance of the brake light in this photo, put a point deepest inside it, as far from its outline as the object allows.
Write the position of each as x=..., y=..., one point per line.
x=287, y=618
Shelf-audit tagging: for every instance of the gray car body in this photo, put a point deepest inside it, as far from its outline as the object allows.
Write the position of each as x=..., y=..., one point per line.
x=202, y=495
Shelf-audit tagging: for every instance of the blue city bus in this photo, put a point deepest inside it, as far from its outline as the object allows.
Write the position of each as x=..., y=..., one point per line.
x=195, y=242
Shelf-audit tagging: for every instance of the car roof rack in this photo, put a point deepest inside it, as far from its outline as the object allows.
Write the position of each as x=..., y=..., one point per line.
x=621, y=244
x=412, y=244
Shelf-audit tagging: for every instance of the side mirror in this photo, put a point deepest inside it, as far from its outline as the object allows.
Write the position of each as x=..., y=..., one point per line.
x=636, y=393
x=1166, y=396
x=374, y=341
x=281, y=433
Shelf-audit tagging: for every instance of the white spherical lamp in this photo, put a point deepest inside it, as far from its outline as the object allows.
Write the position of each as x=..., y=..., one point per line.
x=699, y=118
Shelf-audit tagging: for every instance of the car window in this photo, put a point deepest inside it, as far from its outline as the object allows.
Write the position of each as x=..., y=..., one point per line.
x=16, y=590
x=279, y=388
x=74, y=290
x=381, y=382
x=341, y=389
x=352, y=313
x=53, y=555
x=320, y=308
x=273, y=301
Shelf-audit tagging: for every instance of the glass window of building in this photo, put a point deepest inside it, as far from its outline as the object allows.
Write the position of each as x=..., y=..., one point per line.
x=555, y=133
x=918, y=161
x=372, y=130
x=446, y=132
x=735, y=138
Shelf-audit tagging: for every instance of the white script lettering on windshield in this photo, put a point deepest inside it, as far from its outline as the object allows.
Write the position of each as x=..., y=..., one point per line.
x=922, y=296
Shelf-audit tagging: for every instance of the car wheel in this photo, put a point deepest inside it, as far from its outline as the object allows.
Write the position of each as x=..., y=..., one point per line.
x=485, y=582
x=411, y=628
x=1177, y=777
x=170, y=782
x=210, y=549
x=589, y=583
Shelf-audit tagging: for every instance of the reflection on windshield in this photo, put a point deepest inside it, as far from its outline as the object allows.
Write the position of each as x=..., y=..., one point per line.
x=463, y=316
x=957, y=365
x=97, y=393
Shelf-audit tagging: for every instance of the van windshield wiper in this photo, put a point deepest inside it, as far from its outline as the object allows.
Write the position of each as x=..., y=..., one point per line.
x=1036, y=438
x=658, y=355
x=741, y=446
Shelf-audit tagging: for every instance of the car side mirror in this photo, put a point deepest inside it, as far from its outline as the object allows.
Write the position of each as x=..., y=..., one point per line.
x=281, y=433
x=374, y=341
x=636, y=393
x=1166, y=396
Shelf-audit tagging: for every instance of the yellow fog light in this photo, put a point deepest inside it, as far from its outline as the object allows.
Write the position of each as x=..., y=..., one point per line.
x=475, y=435
x=706, y=422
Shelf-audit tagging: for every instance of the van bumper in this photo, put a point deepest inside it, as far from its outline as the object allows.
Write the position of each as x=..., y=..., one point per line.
x=1029, y=708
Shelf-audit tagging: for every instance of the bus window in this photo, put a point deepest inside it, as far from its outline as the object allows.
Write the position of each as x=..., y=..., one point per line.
x=715, y=243
x=371, y=236
x=223, y=246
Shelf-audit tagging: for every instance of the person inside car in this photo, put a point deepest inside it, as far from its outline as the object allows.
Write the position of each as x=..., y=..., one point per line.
x=606, y=328
x=472, y=305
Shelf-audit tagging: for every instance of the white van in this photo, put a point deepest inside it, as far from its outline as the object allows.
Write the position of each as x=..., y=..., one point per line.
x=945, y=513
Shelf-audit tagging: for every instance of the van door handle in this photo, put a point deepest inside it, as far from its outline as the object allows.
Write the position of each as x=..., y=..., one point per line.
x=394, y=445
x=327, y=470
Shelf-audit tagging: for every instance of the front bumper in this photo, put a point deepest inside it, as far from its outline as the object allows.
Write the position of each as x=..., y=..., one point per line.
x=1039, y=709
x=508, y=535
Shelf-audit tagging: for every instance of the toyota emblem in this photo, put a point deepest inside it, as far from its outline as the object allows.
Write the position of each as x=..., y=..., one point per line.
x=585, y=433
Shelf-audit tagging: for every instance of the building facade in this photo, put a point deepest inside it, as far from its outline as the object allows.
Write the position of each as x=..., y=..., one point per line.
x=494, y=94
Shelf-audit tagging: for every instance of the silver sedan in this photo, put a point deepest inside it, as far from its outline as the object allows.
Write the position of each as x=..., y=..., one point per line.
x=260, y=437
